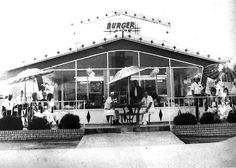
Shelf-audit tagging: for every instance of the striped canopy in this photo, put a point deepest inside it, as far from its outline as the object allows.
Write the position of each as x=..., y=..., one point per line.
x=220, y=71
x=29, y=74
x=126, y=72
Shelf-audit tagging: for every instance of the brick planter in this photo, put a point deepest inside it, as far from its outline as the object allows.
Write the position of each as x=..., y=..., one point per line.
x=23, y=135
x=205, y=130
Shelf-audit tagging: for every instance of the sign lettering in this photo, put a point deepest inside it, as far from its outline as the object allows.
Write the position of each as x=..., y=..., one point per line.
x=113, y=27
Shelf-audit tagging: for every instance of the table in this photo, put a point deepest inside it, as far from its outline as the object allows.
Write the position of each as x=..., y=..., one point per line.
x=129, y=113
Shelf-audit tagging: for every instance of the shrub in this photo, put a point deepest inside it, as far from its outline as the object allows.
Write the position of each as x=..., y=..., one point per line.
x=209, y=118
x=232, y=116
x=69, y=121
x=185, y=119
x=11, y=123
x=38, y=124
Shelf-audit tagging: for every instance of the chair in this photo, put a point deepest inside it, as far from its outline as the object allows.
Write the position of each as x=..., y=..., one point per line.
x=129, y=114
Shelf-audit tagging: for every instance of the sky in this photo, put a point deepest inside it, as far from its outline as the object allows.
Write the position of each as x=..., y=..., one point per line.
x=31, y=29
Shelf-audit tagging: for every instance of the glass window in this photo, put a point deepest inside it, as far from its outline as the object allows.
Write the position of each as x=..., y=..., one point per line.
x=90, y=87
x=70, y=65
x=120, y=59
x=64, y=88
x=183, y=78
x=147, y=60
x=99, y=61
x=154, y=81
x=119, y=87
x=180, y=64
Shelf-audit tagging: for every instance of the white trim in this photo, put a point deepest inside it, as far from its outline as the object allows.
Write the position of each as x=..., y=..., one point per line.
x=111, y=51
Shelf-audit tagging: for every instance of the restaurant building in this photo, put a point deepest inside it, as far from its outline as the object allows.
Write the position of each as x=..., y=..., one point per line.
x=84, y=73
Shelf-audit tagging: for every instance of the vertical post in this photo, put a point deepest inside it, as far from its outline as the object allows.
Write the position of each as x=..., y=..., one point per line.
x=129, y=78
x=139, y=82
x=87, y=87
x=108, y=76
x=76, y=85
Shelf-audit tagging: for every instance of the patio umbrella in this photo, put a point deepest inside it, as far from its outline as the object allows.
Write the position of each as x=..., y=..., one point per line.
x=220, y=71
x=126, y=73
x=29, y=74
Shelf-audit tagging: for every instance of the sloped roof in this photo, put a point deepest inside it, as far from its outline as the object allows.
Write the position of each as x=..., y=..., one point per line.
x=142, y=40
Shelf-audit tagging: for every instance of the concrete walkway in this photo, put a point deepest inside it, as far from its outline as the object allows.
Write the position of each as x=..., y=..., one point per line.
x=129, y=139
x=144, y=153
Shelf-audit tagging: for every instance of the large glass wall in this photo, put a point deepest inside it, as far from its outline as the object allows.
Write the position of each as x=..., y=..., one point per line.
x=88, y=78
x=183, y=77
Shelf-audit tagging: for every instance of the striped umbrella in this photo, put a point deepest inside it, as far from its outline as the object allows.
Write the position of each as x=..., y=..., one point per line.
x=220, y=71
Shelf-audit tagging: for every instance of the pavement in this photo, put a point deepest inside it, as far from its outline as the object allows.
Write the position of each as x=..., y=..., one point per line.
x=135, y=150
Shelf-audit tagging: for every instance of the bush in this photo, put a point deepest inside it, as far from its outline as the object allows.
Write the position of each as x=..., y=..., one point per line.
x=11, y=123
x=69, y=121
x=38, y=124
x=185, y=119
x=209, y=118
x=232, y=116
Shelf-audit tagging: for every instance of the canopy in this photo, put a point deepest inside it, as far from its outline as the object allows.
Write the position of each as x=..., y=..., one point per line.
x=126, y=72
x=220, y=71
x=30, y=74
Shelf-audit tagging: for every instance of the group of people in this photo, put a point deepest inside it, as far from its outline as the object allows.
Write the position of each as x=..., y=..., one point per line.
x=220, y=101
x=138, y=98
x=40, y=106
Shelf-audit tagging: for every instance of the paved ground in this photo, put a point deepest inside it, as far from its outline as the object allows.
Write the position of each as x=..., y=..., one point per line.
x=148, y=152
x=129, y=139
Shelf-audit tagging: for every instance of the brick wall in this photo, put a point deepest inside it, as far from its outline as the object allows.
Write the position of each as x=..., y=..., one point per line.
x=222, y=129
x=60, y=134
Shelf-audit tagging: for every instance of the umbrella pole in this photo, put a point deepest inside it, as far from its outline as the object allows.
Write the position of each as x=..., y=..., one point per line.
x=128, y=90
x=25, y=92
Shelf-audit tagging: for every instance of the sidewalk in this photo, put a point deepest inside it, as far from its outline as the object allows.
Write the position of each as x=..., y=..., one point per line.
x=140, y=155
x=129, y=139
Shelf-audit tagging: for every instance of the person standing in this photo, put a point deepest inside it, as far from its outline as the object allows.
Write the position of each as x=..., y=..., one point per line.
x=136, y=93
x=147, y=107
x=197, y=90
x=109, y=108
